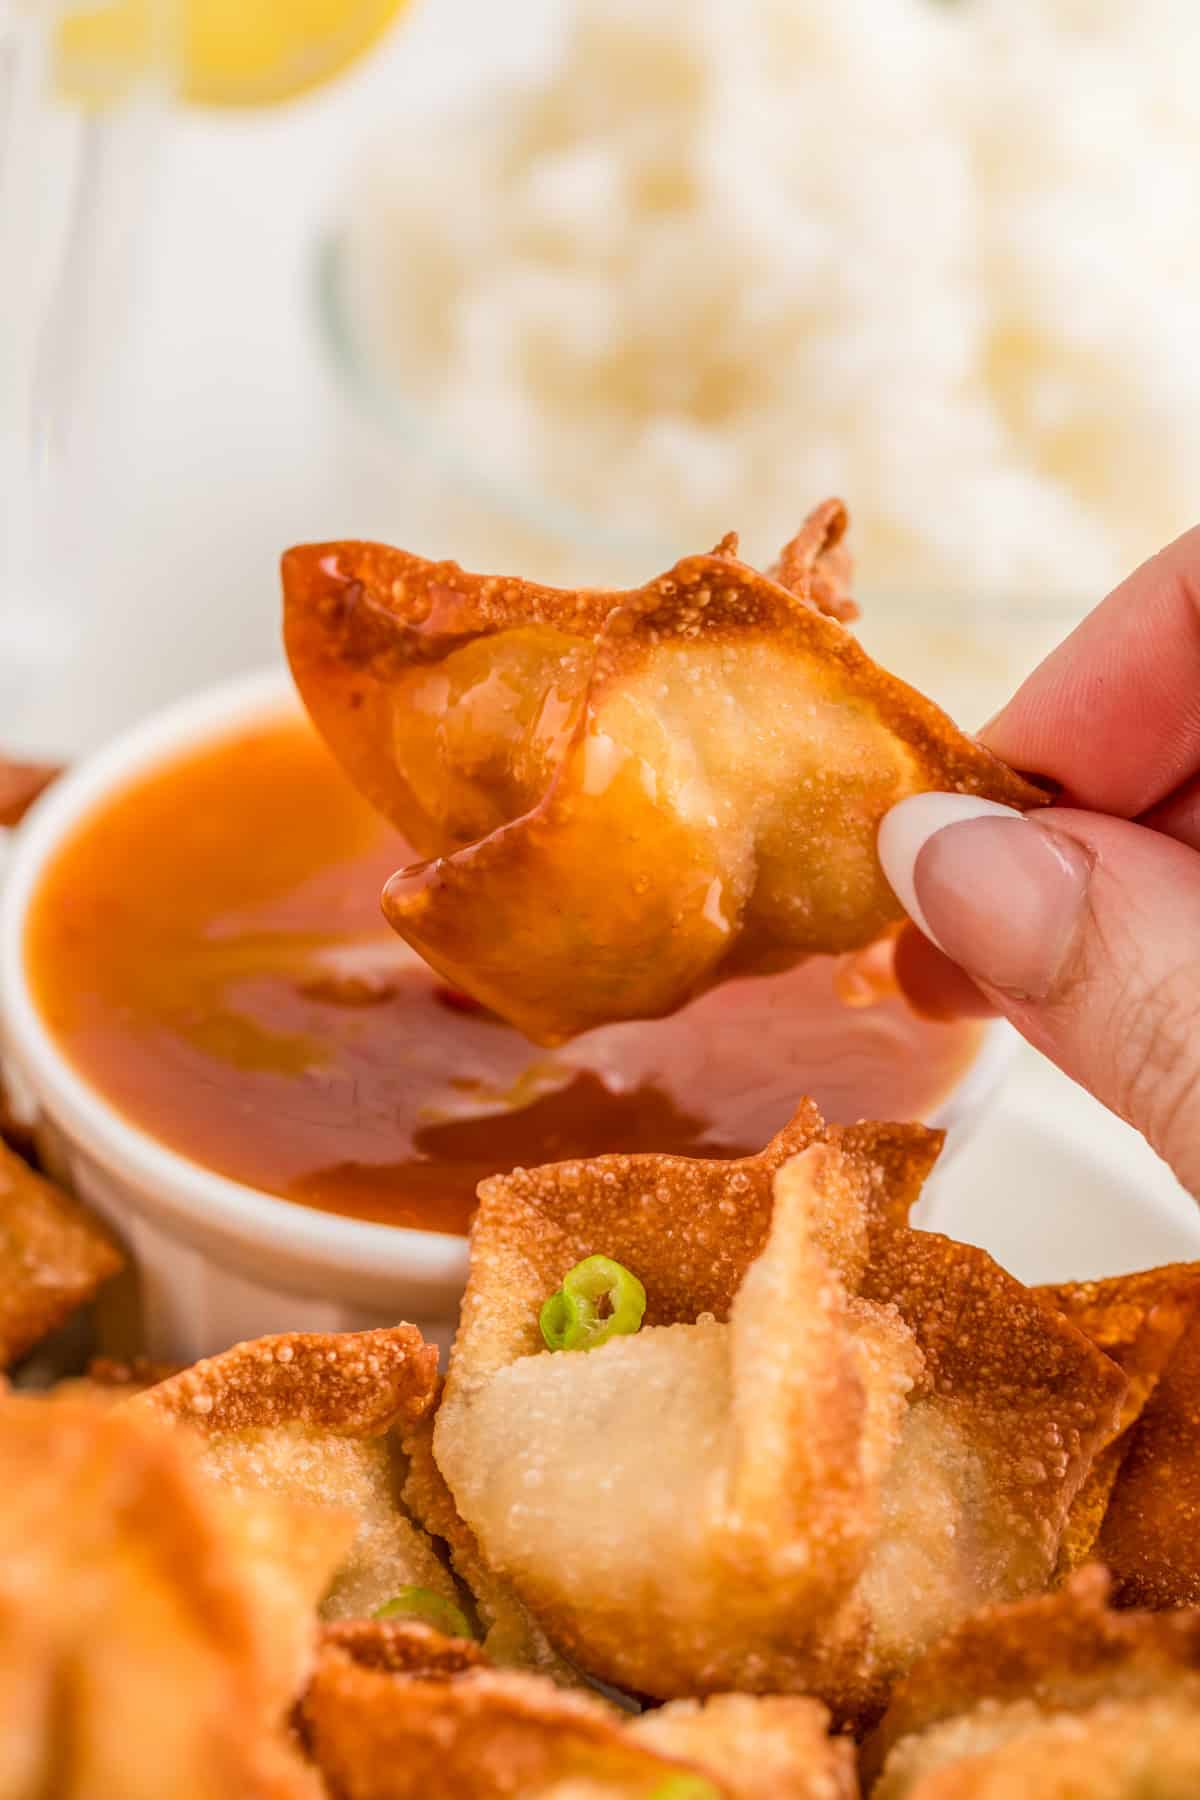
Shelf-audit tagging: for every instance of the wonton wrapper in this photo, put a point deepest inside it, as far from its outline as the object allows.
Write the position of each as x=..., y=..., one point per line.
x=312, y=1416
x=754, y=1744
x=833, y=1438
x=1057, y=1696
x=512, y=1637
x=479, y=1734
x=403, y=1647
x=1143, y=1321
x=154, y=1628
x=1149, y=1536
x=54, y=1255
x=623, y=796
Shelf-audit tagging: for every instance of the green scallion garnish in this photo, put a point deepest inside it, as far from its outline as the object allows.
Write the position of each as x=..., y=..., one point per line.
x=685, y=1787
x=598, y=1299
x=428, y=1608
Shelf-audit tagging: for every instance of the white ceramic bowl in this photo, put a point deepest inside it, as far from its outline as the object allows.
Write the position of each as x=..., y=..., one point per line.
x=218, y=1261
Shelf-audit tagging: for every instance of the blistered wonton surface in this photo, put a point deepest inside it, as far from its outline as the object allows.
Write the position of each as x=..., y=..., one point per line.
x=1149, y=1532
x=621, y=797
x=54, y=1254
x=1139, y=1510
x=388, y=1726
x=1057, y=1697
x=775, y=1744
x=154, y=1628
x=317, y=1417
x=512, y=1637
x=832, y=1438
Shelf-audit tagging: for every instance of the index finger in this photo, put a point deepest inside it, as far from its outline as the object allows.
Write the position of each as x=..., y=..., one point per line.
x=1113, y=714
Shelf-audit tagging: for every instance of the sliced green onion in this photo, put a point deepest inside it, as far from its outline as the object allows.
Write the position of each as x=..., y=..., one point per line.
x=556, y=1319
x=429, y=1608
x=685, y=1787
x=598, y=1299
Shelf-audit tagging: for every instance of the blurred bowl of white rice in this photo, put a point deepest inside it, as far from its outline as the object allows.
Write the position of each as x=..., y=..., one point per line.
x=702, y=262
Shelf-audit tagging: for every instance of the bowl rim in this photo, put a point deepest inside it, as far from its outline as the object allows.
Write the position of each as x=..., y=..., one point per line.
x=169, y=1182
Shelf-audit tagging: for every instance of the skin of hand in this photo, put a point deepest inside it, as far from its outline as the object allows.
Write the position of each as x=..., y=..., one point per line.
x=1081, y=923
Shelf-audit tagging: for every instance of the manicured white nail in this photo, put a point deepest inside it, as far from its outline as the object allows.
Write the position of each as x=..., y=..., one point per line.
x=908, y=827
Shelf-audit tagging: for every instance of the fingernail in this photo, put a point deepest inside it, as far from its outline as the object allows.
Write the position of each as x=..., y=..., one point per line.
x=1000, y=895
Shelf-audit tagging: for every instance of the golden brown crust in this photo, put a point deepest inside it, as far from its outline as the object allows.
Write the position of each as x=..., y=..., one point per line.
x=161, y=1630
x=1150, y=1533
x=54, y=1255
x=403, y=1647
x=1137, y=1320
x=610, y=826
x=352, y=1383
x=816, y=564
x=1140, y=1321
x=1067, y=1651
x=512, y=1637
x=533, y=1224
x=756, y=1744
x=1117, y=1750
x=485, y=1735
x=832, y=1298
x=316, y=1417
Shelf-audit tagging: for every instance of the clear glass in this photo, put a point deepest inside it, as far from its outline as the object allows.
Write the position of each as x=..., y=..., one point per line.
x=83, y=93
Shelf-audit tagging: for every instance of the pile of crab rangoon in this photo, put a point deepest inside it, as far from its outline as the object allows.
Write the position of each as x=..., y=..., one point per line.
x=737, y=1484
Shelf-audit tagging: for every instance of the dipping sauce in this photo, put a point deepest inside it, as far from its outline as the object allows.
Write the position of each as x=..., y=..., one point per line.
x=208, y=951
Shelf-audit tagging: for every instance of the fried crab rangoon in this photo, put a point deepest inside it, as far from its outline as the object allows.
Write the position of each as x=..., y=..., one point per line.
x=1057, y=1697
x=316, y=1417
x=832, y=1438
x=408, y=1717
x=1144, y=1524
x=54, y=1255
x=512, y=1638
x=621, y=797
x=155, y=1629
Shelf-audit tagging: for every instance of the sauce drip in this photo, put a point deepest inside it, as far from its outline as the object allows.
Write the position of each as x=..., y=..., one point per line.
x=208, y=951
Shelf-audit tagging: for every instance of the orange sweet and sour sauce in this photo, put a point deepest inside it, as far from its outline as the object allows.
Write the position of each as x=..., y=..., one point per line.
x=208, y=950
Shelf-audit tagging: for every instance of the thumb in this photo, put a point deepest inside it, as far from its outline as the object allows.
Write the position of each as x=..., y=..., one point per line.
x=1083, y=930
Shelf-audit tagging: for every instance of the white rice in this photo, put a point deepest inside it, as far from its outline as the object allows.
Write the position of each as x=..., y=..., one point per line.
x=726, y=256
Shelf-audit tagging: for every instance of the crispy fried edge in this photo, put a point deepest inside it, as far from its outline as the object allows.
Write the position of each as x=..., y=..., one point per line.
x=816, y=563
x=352, y=1384
x=1065, y=1650
x=1150, y=1534
x=403, y=1647
x=480, y=1735
x=512, y=1637
x=1077, y=1387
x=534, y=1225
x=56, y=1256
x=357, y=614
x=367, y=605
x=724, y=1734
x=1139, y=1320
x=214, y=1551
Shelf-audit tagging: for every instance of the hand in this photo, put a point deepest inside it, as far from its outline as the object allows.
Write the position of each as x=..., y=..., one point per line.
x=1081, y=923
